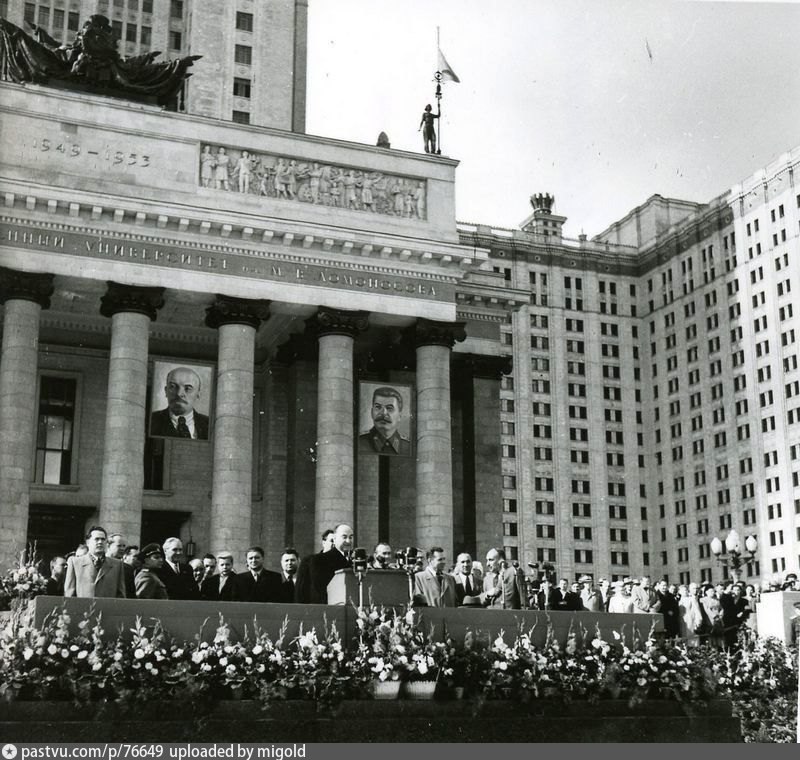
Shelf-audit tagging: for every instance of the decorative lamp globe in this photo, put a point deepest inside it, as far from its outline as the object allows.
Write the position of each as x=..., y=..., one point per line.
x=732, y=542
x=716, y=546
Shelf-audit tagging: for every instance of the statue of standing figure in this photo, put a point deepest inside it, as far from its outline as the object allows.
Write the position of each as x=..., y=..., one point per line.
x=221, y=170
x=244, y=166
x=207, y=163
x=428, y=132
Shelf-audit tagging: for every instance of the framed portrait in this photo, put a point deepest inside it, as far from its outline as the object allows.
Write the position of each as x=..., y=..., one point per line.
x=180, y=400
x=385, y=419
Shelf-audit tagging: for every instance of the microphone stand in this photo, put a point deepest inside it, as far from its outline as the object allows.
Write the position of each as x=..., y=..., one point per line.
x=360, y=569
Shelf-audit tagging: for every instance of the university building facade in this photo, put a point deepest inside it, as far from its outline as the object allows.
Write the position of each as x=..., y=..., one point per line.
x=653, y=404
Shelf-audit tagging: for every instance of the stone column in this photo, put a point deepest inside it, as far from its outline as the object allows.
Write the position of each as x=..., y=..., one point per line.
x=131, y=309
x=434, y=342
x=237, y=320
x=24, y=296
x=335, y=490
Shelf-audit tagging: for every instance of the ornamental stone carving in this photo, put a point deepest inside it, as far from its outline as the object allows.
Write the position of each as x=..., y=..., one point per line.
x=292, y=179
x=131, y=298
x=338, y=322
x=427, y=332
x=227, y=310
x=26, y=286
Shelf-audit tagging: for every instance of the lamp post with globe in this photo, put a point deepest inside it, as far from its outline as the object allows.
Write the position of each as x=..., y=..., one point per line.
x=731, y=555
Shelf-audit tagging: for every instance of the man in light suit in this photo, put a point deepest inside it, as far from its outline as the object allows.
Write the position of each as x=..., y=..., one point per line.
x=95, y=574
x=503, y=587
x=433, y=587
x=469, y=580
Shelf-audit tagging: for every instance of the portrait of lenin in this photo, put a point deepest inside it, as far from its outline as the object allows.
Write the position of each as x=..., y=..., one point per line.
x=186, y=389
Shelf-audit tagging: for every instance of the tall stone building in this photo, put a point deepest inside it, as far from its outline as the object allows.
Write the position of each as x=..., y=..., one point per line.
x=254, y=51
x=652, y=403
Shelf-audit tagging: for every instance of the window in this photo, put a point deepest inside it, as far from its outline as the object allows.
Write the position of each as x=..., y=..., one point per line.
x=243, y=54
x=244, y=21
x=510, y=506
x=175, y=40
x=73, y=21
x=58, y=19
x=30, y=13
x=581, y=510
x=509, y=481
x=176, y=8
x=545, y=507
x=145, y=36
x=545, y=531
x=147, y=6
x=241, y=88
x=54, y=433
x=130, y=33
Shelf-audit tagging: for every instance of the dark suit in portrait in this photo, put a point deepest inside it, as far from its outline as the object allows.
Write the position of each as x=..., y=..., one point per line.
x=179, y=585
x=266, y=587
x=161, y=425
x=315, y=573
x=215, y=590
x=373, y=442
x=471, y=585
x=84, y=580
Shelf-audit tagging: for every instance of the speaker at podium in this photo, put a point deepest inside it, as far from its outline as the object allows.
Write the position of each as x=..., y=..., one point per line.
x=381, y=587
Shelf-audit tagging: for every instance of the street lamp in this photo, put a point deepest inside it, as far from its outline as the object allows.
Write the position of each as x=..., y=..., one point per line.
x=734, y=554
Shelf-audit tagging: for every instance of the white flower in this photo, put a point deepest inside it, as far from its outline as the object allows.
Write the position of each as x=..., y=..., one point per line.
x=52, y=649
x=223, y=661
x=138, y=653
x=117, y=656
x=82, y=654
x=197, y=657
x=28, y=653
x=258, y=649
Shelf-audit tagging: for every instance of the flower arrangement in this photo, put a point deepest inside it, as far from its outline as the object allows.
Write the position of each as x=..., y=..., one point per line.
x=22, y=582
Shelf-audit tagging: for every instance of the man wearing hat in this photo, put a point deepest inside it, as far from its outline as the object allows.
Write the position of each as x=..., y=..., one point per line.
x=789, y=582
x=621, y=600
x=591, y=598
x=148, y=583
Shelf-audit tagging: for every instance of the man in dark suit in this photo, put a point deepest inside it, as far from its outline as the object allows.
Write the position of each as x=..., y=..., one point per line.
x=94, y=574
x=317, y=570
x=179, y=419
x=256, y=584
x=543, y=598
x=58, y=571
x=220, y=587
x=564, y=600
x=469, y=582
x=289, y=562
x=176, y=576
x=384, y=437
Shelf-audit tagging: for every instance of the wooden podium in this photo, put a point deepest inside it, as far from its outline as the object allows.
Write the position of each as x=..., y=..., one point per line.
x=386, y=587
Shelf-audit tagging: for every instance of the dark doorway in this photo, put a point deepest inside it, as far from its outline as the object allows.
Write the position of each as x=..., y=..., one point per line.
x=158, y=526
x=57, y=530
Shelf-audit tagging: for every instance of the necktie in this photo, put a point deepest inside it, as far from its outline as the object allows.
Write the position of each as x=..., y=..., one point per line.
x=183, y=429
x=467, y=586
x=97, y=560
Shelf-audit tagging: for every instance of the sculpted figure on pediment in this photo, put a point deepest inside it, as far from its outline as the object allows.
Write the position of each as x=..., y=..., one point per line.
x=221, y=166
x=243, y=171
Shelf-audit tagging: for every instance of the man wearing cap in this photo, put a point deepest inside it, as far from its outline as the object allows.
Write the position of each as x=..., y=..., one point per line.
x=433, y=587
x=148, y=583
x=591, y=598
x=94, y=574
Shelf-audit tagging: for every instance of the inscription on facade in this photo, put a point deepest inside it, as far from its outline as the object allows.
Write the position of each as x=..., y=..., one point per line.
x=108, y=156
x=221, y=262
x=259, y=174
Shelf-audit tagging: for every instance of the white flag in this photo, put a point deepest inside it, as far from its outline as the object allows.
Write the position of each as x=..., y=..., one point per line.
x=446, y=70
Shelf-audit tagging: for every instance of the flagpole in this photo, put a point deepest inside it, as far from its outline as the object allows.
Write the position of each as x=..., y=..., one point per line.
x=438, y=78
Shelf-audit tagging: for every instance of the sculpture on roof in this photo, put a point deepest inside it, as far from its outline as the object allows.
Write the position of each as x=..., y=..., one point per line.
x=90, y=62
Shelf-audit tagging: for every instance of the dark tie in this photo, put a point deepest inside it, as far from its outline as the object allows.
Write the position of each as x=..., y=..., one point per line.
x=467, y=586
x=97, y=560
x=183, y=429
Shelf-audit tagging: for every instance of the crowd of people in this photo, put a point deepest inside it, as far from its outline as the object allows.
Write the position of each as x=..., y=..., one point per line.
x=105, y=566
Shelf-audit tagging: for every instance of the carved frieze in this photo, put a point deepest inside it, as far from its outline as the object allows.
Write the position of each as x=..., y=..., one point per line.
x=291, y=179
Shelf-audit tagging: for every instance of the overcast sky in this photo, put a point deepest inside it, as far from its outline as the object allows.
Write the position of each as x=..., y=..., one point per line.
x=600, y=102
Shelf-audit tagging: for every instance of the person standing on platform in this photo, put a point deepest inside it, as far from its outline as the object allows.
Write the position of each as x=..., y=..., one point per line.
x=433, y=587
x=670, y=609
x=94, y=574
x=148, y=583
x=621, y=601
x=256, y=584
x=327, y=541
x=469, y=582
x=117, y=547
x=317, y=570
x=175, y=575
x=209, y=565
x=543, y=598
x=196, y=567
x=381, y=558
x=503, y=587
x=564, y=600
x=289, y=562
x=58, y=572
x=644, y=597
x=591, y=598
x=219, y=587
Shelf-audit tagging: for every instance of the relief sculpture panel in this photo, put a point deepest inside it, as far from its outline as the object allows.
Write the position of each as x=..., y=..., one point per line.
x=284, y=178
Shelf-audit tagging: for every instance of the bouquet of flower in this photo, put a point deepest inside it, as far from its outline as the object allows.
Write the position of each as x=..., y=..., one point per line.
x=22, y=582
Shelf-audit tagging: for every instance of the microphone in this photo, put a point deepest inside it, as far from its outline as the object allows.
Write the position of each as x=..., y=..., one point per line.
x=360, y=560
x=400, y=556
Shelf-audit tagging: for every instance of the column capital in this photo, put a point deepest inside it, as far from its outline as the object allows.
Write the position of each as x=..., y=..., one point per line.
x=227, y=310
x=26, y=286
x=427, y=332
x=131, y=298
x=338, y=322
x=487, y=367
